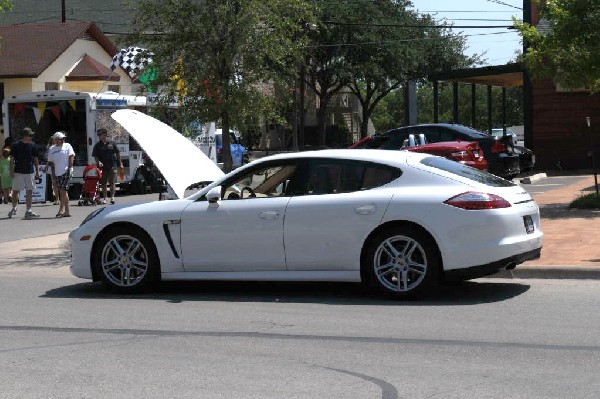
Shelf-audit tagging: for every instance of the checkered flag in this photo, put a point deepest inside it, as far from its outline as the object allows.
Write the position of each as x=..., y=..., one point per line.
x=133, y=60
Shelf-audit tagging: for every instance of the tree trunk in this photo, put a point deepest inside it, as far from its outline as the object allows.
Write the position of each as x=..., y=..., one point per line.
x=226, y=154
x=364, y=123
x=322, y=121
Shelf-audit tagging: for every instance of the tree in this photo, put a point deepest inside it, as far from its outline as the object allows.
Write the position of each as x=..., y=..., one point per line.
x=6, y=5
x=400, y=45
x=567, y=49
x=215, y=57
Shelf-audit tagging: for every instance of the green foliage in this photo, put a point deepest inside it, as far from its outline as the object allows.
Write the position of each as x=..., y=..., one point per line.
x=6, y=5
x=388, y=43
x=568, y=51
x=218, y=58
x=587, y=201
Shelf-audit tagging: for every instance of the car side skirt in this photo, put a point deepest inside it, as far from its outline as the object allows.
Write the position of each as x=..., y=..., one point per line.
x=491, y=268
x=342, y=276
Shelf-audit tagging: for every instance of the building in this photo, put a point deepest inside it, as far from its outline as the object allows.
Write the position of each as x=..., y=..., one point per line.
x=58, y=56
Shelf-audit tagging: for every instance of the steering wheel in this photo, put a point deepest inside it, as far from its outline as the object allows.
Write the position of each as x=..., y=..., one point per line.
x=250, y=191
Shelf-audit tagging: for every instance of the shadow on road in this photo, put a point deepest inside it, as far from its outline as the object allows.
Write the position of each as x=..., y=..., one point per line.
x=458, y=294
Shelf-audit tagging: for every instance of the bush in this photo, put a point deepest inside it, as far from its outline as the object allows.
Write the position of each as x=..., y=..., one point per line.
x=587, y=201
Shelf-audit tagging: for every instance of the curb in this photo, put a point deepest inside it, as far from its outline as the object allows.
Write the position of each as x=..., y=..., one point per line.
x=561, y=272
x=534, y=178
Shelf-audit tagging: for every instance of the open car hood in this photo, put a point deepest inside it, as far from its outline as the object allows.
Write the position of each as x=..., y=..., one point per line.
x=178, y=159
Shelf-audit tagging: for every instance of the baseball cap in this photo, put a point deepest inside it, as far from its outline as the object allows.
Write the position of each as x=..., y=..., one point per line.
x=59, y=135
x=28, y=132
x=102, y=131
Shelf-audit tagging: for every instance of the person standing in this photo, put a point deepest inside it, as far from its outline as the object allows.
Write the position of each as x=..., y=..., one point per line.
x=107, y=156
x=5, y=179
x=24, y=170
x=60, y=158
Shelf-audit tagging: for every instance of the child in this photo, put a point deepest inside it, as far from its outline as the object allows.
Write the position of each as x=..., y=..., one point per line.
x=5, y=179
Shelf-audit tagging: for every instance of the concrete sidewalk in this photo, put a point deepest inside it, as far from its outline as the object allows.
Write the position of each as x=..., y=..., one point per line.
x=571, y=242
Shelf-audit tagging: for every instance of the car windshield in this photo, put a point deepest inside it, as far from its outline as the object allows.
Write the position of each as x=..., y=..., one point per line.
x=466, y=171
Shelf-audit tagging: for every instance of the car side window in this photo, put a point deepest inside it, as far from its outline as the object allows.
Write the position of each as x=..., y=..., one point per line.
x=263, y=182
x=336, y=177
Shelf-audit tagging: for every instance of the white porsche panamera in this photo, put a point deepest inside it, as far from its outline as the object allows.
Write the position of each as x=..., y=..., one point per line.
x=398, y=221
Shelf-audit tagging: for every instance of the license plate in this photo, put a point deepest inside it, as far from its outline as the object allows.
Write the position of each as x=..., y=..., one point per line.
x=529, y=227
x=476, y=154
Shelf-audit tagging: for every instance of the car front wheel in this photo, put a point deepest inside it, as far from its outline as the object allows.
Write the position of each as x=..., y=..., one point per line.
x=126, y=260
x=401, y=261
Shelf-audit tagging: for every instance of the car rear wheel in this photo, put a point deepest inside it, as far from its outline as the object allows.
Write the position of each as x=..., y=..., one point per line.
x=126, y=260
x=401, y=261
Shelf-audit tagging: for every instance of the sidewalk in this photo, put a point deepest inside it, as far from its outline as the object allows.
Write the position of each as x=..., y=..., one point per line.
x=571, y=242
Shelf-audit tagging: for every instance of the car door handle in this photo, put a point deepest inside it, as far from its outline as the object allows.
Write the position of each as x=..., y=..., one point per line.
x=365, y=209
x=269, y=215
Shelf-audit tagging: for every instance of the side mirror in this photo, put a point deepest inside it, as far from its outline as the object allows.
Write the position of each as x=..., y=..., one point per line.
x=213, y=195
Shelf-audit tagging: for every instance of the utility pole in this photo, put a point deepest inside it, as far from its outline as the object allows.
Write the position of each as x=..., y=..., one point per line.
x=592, y=152
x=64, y=11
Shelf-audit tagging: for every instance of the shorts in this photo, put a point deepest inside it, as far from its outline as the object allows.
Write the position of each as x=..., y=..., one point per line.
x=23, y=181
x=6, y=182
x=63, y=182
x=108, y=176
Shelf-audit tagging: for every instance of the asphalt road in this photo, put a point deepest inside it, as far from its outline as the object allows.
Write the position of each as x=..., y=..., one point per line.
x=64, y=338
x=549, y=183
x=17, y=228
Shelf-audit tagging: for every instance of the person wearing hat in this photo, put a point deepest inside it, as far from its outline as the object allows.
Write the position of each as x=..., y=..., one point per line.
x=24, y=169
x=60, y=159
x=107, y=156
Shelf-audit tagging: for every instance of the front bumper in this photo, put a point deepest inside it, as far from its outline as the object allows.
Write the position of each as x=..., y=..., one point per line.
x=81, y=242
x=491, y=268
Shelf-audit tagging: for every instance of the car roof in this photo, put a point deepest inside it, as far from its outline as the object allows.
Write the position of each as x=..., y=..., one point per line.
x=389, y=157
x=454, y=126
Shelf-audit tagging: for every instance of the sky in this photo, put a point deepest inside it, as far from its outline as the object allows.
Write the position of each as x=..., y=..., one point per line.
x=498, y=48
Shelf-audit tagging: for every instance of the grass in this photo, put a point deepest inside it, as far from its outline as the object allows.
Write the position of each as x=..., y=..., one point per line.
x=587, y=201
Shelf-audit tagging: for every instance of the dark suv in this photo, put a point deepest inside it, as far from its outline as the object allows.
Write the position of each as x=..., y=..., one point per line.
x=502, y=160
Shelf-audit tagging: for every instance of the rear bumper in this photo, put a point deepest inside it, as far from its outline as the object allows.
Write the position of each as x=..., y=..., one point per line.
x=504, y=165
x=491, y=268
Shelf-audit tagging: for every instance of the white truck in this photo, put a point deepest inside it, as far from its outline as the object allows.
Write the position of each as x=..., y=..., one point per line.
x=79, y=115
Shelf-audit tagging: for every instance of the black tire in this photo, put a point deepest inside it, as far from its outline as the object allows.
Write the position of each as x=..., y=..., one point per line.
x=113, y=269
x=75, y=191
x=394, y=271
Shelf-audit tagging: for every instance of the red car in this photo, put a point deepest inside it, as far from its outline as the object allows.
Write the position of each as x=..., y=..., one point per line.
x=465, y=152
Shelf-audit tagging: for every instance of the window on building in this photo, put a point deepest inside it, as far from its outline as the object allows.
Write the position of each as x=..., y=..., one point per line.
x=51, y=86
x=115, y=88
x=1, y=92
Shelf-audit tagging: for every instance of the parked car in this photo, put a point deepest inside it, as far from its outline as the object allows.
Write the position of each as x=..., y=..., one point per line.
x=499, y=133
x=467, y=153
x=397, y=221
x=239, y=154
x=502, y=160
x=526, y=156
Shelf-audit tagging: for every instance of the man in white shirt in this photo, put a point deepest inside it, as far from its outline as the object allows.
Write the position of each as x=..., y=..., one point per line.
x=60, y=160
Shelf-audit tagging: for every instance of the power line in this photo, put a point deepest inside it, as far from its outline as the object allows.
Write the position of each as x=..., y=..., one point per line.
x=420, y=26
x=504, y=4
x=397, y=41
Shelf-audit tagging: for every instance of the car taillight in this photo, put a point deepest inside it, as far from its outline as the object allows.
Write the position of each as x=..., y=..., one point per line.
x=499, y=147
x=219, y=150
x=476, y=201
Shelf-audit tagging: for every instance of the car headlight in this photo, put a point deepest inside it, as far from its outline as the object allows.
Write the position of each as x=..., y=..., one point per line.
x=91, y=216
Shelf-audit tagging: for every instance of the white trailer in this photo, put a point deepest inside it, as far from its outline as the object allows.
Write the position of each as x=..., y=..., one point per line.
x=79, y=115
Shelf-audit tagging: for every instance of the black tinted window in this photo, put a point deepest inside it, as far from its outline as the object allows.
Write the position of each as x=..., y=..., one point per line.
x=466, y=171
x=395, y=141
x=335, y=177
